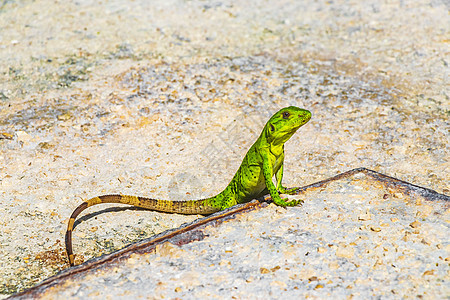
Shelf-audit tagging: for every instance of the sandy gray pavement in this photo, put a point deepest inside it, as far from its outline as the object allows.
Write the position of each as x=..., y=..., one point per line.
x=163, y=98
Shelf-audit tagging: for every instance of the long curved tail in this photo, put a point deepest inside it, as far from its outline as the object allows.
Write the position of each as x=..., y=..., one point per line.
x=190, y=207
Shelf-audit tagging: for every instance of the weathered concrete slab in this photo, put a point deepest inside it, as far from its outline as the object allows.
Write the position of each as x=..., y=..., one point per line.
x=360, y=234
x=163, y=98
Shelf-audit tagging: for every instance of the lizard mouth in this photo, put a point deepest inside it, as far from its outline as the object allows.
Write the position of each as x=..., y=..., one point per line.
x=302, y=120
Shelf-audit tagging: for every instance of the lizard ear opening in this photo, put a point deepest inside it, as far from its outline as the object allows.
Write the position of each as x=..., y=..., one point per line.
x=272, y=128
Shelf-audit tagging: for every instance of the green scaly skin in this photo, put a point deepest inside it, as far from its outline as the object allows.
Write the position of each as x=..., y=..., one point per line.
x=252, y=180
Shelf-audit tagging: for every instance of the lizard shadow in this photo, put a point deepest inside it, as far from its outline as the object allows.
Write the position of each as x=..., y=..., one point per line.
x=106, y=210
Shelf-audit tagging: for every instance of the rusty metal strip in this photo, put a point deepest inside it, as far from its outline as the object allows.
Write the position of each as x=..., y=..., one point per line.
x=406, y=187
x=192, y=231
x=388, y=181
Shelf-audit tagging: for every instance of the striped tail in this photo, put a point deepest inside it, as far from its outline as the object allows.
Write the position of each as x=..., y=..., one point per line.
x=190, y=207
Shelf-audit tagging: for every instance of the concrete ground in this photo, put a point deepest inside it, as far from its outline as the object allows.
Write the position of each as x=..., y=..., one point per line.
x=164, y=98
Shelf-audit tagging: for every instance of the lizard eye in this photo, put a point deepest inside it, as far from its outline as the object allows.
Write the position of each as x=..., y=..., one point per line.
x=272, y=128
x=286, y=115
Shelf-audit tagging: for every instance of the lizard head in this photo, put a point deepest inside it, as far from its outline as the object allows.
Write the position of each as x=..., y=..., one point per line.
x=284, y=123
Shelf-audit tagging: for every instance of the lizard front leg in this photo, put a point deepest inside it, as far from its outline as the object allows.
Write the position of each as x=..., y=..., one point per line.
x=280, y=187
x=268, y=174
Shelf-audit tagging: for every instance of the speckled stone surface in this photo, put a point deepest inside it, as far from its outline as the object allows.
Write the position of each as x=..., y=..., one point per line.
x=163, y=99
x=355, y=237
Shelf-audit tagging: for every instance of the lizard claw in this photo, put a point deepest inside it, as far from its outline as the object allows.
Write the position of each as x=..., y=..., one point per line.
x=281, y=202
x=295, y=202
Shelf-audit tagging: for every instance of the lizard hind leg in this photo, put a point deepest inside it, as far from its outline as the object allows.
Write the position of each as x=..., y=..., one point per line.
x=227, y=201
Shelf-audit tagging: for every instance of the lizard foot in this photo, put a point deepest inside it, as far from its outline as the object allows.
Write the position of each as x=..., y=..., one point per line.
x=287, y=191
x=282, y=203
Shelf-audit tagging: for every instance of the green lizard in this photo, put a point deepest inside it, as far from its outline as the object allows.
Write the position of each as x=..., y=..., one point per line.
x=252, y=180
